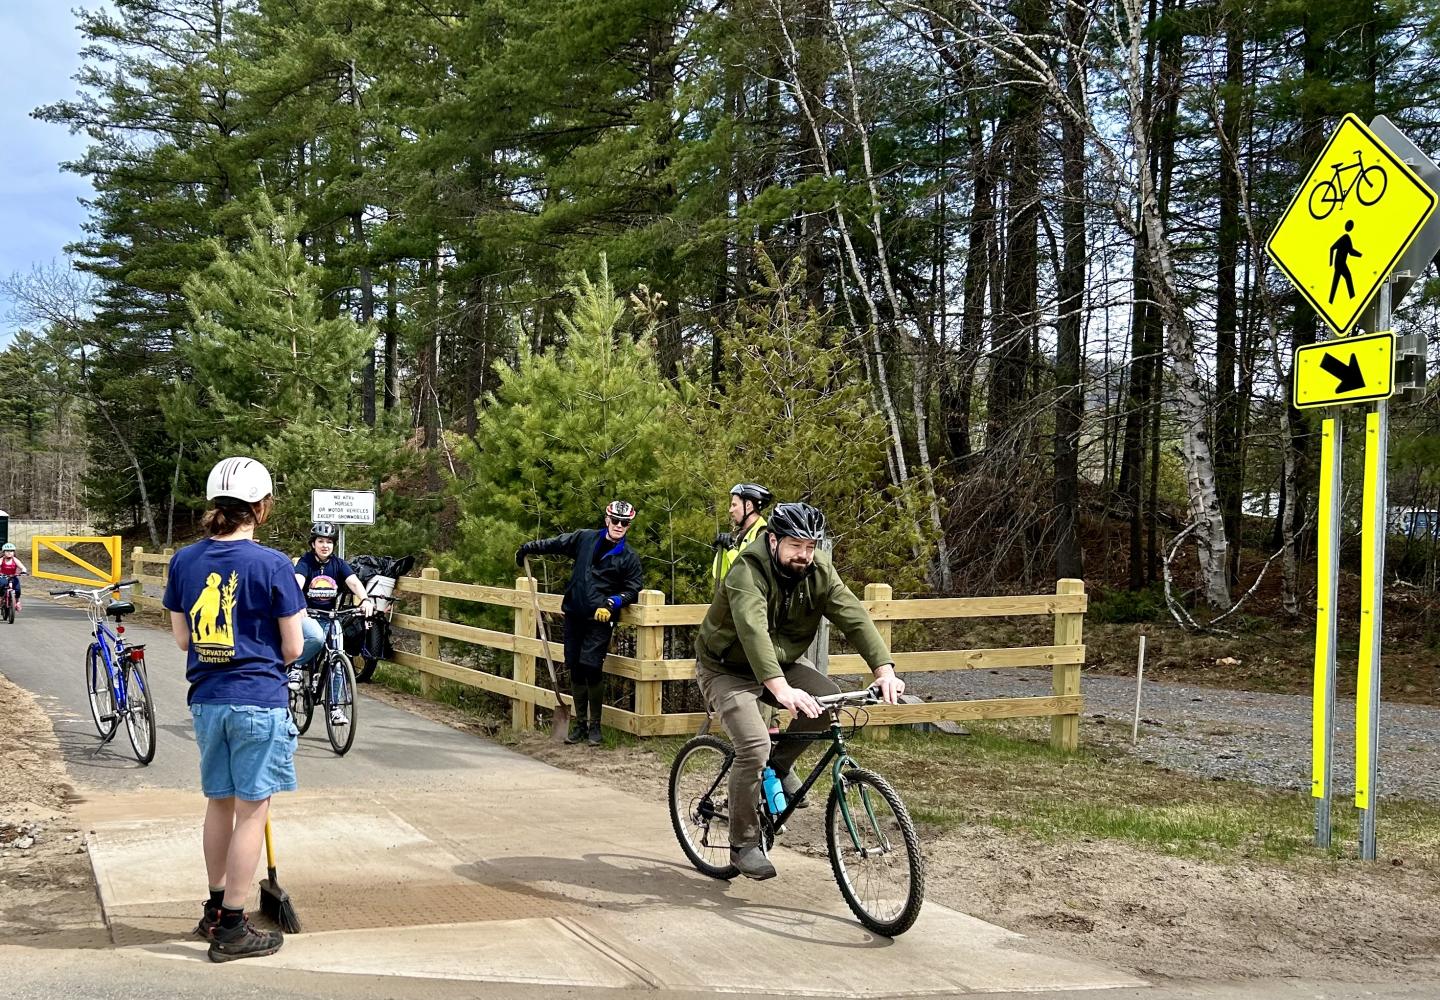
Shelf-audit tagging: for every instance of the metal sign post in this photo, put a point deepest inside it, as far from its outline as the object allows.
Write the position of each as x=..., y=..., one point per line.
x=1373, y=528
x=1322, y=718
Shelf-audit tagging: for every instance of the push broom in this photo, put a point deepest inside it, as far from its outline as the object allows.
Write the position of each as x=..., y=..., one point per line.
x=560, y=720
x=275, y=901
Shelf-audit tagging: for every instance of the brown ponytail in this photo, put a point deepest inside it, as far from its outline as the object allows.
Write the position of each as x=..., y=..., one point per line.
x=228, y=515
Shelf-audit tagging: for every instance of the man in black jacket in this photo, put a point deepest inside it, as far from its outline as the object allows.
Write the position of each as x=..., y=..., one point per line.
x=606, y=577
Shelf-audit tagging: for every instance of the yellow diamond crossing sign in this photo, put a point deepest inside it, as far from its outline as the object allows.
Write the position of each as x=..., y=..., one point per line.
x=1344, y=370
x=1352, y=219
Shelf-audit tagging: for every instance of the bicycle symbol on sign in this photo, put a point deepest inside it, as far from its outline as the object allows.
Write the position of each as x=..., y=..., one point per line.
x=1368, y=184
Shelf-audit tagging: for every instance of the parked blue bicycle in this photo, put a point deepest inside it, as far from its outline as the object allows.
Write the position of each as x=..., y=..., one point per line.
x=115, y=672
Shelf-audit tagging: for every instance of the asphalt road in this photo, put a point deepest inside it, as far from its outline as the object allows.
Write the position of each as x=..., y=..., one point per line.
x=44, y=652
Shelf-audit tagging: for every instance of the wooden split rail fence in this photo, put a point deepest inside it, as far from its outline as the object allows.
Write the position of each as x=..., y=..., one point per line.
x=651, y=670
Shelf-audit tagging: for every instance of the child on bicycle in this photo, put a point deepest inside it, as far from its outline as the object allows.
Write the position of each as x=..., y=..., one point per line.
x=320, y=572
x=11, y=569
x=235, y=611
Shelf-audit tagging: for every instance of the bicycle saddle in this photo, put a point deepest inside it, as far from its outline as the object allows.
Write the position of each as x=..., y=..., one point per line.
x=118, y=609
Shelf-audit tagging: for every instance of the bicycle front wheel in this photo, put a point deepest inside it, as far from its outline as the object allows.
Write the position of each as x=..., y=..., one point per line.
x=340, y=697
x=875, y=852
x=1370, y=185
x=102, y=697
x=302, y=704
x=139, y=712
x=700, y=804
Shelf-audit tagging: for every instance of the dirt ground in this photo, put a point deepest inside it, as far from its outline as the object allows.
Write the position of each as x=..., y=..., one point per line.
x=1159, y=916
x=1156, y=915
x=47, y=890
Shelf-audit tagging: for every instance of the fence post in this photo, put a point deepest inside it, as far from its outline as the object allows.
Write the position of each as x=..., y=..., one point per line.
x=649, y=645
x=137, y=570
x=880, y=592
x=1069, y=631
x=429, y=644
x=522, y=713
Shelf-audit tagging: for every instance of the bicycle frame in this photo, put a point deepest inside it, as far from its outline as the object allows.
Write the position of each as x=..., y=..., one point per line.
x=836, y=756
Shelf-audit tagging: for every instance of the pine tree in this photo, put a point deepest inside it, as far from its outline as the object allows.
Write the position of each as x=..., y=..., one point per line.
x=796, y=417
x=568, y=431
x=275, y=378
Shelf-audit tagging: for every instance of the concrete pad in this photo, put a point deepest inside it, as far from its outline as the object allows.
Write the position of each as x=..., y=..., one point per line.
x=537, y=952
x=567, y=883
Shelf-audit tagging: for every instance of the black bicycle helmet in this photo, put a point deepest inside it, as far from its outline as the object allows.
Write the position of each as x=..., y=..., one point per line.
x=323, y=529
x=754, y=492
x=796, y=520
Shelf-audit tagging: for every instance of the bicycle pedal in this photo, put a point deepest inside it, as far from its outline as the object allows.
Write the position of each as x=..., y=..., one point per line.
x=109, y=718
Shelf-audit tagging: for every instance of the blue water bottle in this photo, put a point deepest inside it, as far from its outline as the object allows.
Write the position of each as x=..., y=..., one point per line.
x=774, y=791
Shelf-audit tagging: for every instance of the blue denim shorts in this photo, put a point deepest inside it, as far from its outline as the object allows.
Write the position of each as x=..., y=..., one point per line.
x=246, y=752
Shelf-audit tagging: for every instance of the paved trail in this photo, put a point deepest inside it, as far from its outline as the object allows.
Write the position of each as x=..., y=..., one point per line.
x=430, y=854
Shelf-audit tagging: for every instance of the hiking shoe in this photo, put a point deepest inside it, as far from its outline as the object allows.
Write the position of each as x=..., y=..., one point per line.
x=337, y=718
x=244, y=940
x=594, y=738
x=791, y=782
x=752, y=862
x=293, y=680
x=209, y=923
x=576, y=733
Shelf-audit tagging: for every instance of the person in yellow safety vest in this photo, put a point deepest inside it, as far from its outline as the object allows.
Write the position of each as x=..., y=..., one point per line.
x=747, y=500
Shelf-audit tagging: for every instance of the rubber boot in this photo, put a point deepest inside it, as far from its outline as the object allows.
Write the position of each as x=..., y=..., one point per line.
x=577, y=720
x=597, y=703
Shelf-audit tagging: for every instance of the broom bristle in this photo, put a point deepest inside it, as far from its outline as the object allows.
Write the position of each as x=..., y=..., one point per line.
x=275, y=904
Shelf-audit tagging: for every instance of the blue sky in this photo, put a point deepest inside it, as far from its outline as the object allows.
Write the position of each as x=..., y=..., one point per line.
x=39, y=207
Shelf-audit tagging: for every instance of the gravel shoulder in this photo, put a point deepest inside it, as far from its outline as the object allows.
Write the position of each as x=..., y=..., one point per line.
x=1217, y=733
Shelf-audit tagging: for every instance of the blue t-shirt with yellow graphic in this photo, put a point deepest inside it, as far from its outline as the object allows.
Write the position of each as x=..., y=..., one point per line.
x=324, y=582
x=233, y=595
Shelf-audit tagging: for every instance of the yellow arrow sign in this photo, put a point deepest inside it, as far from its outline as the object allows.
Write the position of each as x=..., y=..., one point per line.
x=1345, y=370
x=1352, y=219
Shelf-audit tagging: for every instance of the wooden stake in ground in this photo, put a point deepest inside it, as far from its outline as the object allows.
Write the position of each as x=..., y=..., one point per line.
x=1139, y=680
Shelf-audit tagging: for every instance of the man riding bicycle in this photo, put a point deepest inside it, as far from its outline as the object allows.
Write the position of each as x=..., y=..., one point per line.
x=11, y=569
x=751, y=648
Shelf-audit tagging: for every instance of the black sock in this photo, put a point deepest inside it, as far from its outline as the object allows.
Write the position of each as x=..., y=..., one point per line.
x=217, y=898
x=230, y=919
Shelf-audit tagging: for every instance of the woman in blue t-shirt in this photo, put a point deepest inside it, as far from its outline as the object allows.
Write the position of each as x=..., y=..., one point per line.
x=236, y=611
x=320, y=574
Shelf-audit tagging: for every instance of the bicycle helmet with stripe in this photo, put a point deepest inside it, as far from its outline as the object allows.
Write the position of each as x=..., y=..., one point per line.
x=239, y=479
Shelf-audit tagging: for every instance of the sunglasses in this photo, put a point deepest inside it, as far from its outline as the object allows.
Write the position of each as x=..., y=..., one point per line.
x=619, y=522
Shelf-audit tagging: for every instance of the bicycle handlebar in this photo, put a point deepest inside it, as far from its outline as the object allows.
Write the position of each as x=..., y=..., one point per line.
x=865, y=696
x=93, y=595
x=334, y=615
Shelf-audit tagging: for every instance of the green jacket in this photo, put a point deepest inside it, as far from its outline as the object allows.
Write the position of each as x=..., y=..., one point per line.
x=726, y=557
x=755, y=625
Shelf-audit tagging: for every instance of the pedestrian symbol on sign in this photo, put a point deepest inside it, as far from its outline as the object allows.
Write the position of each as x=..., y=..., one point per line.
x=1340, y=253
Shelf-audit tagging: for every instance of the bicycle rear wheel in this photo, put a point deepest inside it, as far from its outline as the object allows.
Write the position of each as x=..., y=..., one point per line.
x=139, y=712
x=700, y=804
x=102, y=696
x=876, y=856
x=7, y=608
x=340, y=693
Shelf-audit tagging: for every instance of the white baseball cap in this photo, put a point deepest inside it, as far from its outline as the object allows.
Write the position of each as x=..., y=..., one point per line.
x=240, y=478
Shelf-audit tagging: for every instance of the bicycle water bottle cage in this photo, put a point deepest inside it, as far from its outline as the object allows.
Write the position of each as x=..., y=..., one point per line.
x=119, y=609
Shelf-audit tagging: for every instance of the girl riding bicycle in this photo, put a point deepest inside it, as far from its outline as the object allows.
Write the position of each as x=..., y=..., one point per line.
x=12, y=569
x=320, y=572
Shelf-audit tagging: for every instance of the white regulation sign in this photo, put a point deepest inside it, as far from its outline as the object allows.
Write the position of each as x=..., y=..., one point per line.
x=343, y=506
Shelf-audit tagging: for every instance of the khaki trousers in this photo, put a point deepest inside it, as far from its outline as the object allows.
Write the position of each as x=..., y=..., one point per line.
x=735, y=701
